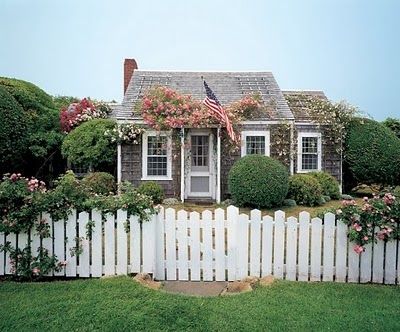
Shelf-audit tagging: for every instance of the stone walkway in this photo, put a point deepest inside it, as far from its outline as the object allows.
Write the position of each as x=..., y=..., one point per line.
x=199, y=288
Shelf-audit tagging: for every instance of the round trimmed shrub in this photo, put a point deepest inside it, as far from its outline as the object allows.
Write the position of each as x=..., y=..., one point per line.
x=87, y=145
x=372, y=152
x=330, y=186
x=305, y=190
x=101, y=183
x=258, y=181
x=152, y=189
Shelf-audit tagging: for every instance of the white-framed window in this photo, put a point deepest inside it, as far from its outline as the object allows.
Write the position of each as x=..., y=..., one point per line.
x=157, y=156
x=309, y=149
x=255, y=142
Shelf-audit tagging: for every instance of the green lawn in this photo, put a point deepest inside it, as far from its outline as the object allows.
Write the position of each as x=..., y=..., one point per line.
x=121, y=304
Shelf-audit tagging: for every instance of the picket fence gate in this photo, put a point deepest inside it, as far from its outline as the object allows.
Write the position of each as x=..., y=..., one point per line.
x=220, y=246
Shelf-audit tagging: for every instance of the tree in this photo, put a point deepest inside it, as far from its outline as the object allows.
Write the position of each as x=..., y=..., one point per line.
x=13, y=134
x=43, y=136
x=88, y=146
x=393, y=124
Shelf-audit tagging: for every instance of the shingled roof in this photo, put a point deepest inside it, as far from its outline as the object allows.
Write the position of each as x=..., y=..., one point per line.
x=227, y=86
x=299, y=102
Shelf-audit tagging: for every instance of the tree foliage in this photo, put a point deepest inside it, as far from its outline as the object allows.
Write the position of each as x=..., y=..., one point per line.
x=88, y=146
x=372, y=152
x=393, y=125
x=36, y=134
x=13, y=135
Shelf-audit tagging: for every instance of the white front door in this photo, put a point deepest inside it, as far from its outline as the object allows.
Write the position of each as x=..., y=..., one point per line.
x=200, y=175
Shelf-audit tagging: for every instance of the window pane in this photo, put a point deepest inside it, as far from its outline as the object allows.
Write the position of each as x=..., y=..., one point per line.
x=157, y=145
x=255, y=145
x=157, y=155
x=157, y=166
x=310, y=144
x=309, y=162
x=199, y=150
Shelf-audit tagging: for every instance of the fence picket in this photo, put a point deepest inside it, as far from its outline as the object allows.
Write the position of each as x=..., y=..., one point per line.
x=170, y=243
x=12, y=238
x=219, y=245
x=149, y=245
x=291, y=248
x=109, y=249
x=316, y=232
x=255, y=242
x=122, y=250
x=365, y=264
x=279, y=243
x=341, y=252
x=195, y=246
x=390, y=262
x=182, y=239
x=398, y=262
x=97, y=237
x=206, y=222
x=59, y=244
x=354, y=263
x=377, y=261
x=134, y=237
x=304, y=246
x=70, y=257
x=47, y=242
x=160, y=247
x=22, y=240
x=84, y=258
x=267, y=228
x=232, y=214
x=243, y=247
x=329, y=247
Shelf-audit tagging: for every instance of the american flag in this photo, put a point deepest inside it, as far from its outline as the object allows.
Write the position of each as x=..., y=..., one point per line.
x=214, y=105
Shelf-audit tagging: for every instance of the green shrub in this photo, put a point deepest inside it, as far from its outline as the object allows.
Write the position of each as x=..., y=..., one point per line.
x=87, y=145
x=152, y=189
x=258, y=181
x=305, y=190
x=372, y=152
x=289, y=202
x=13, y=136
x=327, y=198
x=101, y=183
x=330, y=186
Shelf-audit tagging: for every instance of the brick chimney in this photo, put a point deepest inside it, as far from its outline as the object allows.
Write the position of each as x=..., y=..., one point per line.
x=129, y=67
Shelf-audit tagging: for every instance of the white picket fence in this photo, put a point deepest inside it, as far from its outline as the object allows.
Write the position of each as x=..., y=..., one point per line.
x=213, y=246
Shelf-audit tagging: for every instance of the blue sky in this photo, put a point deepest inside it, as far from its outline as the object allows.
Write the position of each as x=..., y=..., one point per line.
x=348, y=48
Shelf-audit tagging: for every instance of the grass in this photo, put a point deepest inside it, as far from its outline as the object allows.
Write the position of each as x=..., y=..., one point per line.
x=290, y=211
x=116, y=304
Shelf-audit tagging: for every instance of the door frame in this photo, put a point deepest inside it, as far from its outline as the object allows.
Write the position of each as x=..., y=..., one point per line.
x=188, y=165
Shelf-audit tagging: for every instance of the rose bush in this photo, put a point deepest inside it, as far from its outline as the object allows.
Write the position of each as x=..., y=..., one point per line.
x=376, y=219
x=84, y=110
x=22, y=201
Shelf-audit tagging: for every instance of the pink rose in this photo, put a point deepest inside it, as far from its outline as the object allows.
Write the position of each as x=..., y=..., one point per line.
x=358, y=249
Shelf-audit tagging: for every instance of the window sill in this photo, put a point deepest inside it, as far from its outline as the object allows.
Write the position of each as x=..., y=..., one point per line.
x=308, y=170
x=156, y=178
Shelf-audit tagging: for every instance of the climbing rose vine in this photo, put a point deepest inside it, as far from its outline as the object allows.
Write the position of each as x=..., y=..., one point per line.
x=125, y=133
x=84, y=110
x=377, y=219
x=163, y=108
